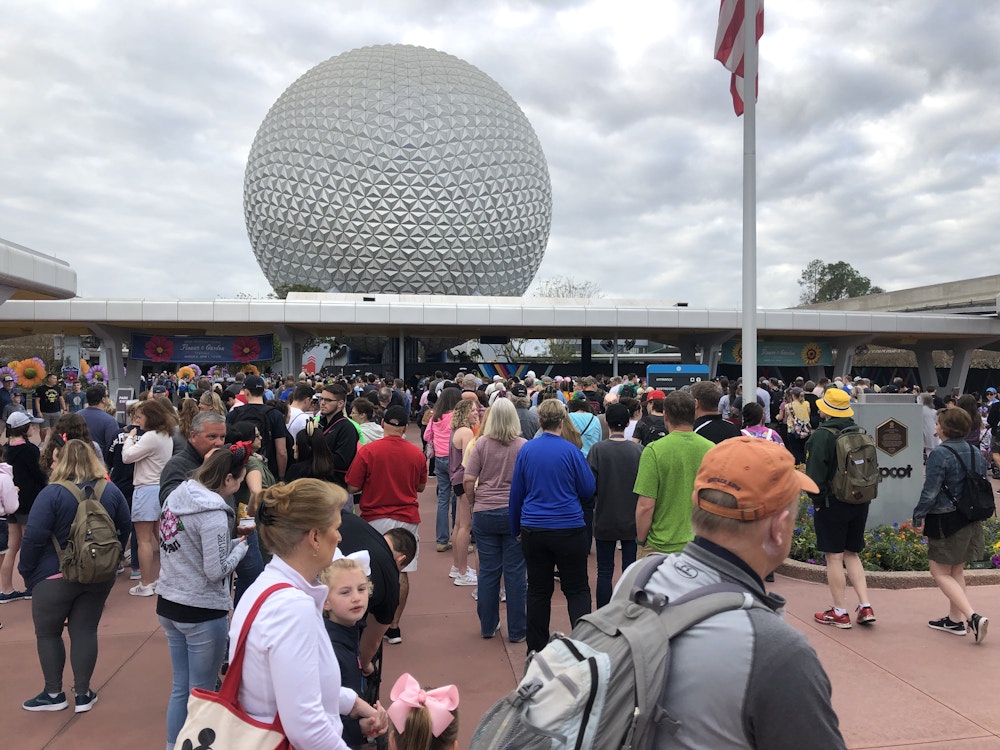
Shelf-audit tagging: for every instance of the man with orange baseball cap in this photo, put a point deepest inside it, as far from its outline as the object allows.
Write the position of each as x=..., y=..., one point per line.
x=742, y=678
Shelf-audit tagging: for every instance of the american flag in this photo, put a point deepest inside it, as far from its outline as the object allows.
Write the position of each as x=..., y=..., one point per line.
x=729, y=44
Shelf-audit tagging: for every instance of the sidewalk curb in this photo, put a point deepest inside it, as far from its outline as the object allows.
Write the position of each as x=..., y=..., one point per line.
x=885, y=579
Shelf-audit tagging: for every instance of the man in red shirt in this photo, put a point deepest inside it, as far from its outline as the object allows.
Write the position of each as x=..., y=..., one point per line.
x=390, y=473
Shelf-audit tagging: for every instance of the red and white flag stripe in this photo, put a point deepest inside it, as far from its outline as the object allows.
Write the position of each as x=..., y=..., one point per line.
x=730, y=44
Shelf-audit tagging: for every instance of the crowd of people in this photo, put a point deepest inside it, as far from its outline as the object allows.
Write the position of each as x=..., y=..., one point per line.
x=264, y=507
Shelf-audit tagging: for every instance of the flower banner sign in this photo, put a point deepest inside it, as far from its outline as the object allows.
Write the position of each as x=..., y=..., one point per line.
x=201, y=348
x=778, y=353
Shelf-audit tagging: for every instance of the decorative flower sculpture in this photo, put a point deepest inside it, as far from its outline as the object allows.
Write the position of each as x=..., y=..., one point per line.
x=84, y=366
x=246, y=349
x=251, y=370
x=159, y=349
x=186, y=373
x=197, y=370
x=30, y=372
x=220, y=372
x=8, y=370
x=98, y=374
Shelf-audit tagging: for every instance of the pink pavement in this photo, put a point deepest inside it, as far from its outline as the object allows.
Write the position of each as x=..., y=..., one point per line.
x=896, y=685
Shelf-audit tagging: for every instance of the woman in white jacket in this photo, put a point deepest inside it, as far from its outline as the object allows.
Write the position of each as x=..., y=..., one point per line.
x=289, y=668
x=198, y=556
x=149, y=453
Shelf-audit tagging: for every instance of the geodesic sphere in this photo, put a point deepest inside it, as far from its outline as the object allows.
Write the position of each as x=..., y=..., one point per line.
x=398, y=169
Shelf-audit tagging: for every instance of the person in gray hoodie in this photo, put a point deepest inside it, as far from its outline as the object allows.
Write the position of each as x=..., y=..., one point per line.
x=197, y=557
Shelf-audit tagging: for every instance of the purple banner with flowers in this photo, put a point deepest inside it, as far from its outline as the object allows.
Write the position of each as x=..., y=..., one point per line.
x=201, y=348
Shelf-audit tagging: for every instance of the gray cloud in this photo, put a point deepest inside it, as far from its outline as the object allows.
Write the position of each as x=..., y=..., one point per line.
x=124, y=130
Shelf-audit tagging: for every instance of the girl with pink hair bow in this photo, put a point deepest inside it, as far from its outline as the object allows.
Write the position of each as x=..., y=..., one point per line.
x=422, y=719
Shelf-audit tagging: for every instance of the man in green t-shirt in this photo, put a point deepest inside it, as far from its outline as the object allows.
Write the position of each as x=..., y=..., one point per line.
x=666, y=480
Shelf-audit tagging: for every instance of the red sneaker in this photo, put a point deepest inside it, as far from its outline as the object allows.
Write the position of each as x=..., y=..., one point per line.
x=830, y=617
x=865, y=616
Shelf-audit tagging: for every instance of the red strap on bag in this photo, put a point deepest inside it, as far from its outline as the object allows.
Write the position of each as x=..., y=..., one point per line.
x=230, y=689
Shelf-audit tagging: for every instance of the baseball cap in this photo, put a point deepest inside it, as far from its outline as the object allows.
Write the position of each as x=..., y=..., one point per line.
x=8, y=379
x=991, y=389
x=655, y=394
x=159, y=389
x=254, y=384
x=835, y=403
x=395, y=416
x=20, y=419
x=760, y=474
x=519, y=390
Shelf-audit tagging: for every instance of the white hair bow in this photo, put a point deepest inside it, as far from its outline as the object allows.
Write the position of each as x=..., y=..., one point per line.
x=361, y=557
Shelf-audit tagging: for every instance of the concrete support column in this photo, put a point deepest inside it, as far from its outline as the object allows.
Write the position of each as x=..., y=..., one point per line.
x=845, y=353
x=711, y=347
x=689, y=351
x=69, y=356
x=925, y=367
x=961, y=359
x=292, y=341
x=402, y=355
x=112, y=338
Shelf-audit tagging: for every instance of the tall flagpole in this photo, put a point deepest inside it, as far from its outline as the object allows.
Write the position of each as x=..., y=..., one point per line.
x=749, y=202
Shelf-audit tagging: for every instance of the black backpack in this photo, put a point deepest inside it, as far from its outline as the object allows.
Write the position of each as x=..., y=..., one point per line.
x=977, y=501
x=648, y=432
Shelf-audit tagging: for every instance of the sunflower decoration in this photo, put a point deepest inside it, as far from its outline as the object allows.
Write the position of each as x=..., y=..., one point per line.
x=812, y=353
x=84, y=366
x=186, y=373
x=218, y=372
x=30, y=372
x=738, y=353
x=250, y=370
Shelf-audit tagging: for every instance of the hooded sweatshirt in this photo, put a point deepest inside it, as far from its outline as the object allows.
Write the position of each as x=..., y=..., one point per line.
x=196, y=551
x=8, y=492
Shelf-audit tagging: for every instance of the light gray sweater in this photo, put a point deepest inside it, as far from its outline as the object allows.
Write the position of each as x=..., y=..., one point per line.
x=196, y=552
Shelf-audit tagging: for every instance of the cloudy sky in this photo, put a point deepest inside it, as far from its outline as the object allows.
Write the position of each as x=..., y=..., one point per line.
x=125, y=127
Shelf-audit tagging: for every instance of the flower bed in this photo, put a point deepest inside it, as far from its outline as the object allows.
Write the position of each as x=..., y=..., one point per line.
x=895, y=547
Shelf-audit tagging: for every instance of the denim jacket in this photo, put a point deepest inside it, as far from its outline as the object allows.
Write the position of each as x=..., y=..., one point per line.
x=944, y=477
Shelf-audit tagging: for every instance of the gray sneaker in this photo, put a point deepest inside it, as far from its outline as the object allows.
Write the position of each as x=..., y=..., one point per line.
x=45, y=702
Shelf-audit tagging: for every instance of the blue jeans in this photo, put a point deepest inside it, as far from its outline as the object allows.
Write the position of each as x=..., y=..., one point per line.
x=606, y=566
x=251, y=566
x=196, y=653
x=446, y=500
x=499, y=551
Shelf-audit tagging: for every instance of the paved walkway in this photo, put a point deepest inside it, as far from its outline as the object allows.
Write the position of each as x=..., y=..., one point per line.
x=895, y=685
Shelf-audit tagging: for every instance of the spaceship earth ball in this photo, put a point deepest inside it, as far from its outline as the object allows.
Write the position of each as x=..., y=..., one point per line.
x=398, y=169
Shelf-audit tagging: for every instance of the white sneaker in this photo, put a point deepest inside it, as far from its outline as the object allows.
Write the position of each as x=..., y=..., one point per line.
x=140, y=590
x=469, y=579
x=453, y=573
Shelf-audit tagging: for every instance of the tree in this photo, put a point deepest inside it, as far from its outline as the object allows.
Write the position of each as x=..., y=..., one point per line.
x=827, y=282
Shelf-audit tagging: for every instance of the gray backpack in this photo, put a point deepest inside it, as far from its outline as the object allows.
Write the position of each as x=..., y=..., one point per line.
x=601, y=686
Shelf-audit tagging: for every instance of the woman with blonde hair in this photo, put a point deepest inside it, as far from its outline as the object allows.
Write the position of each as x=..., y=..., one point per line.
x=210, y=401
x=290, y=669
x=148, y=453
x=57, y=603
x=464, y=422
x=488, y=472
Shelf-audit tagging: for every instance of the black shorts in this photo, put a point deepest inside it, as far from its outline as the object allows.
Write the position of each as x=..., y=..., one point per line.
x=841, y=527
